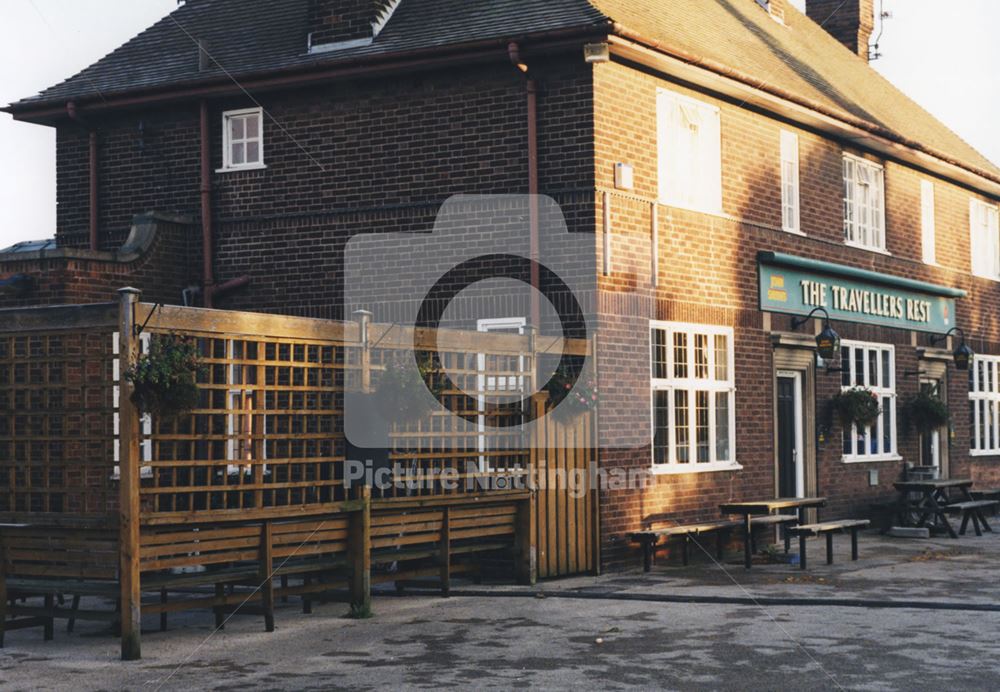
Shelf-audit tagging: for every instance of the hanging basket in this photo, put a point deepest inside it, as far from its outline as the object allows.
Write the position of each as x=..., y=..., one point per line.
x=857, y=406
x=926, y=412
x=165, y=380
x=571, y=394
x=401, y=394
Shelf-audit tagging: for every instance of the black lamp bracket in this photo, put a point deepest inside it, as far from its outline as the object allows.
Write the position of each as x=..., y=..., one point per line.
x=938, y=338
x=799, y=321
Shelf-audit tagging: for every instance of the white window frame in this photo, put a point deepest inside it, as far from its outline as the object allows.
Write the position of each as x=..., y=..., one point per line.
x=227, y=140
x=691, y=384
x=984, y=402
x=928, y=241
x=790, y=190
x=486, y=383
x=864, y=204
x=690, y=168
x=984, y=239
x=878, y=388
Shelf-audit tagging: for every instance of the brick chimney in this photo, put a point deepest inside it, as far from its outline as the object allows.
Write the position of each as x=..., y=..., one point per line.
x=852, y=24
x=341, y=23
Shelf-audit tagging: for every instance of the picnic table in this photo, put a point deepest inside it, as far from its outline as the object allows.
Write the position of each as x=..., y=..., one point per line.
x=934, y=501
x=768, y=510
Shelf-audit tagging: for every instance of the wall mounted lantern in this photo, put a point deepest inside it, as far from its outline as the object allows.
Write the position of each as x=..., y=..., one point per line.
x=827, y=341
x=963, y=354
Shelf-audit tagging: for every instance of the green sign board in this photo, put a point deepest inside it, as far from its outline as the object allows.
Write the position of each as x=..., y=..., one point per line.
x=797, y=286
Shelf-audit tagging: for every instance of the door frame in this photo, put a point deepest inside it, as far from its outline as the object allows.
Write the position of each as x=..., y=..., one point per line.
x=797, y=376
x=793, y=353
x=934, y=366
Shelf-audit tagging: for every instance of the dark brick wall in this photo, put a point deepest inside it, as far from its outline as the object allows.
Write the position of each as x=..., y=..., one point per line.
x=368, y=157
x=148, y=161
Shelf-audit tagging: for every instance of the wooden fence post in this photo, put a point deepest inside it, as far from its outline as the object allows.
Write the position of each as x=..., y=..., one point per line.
x=3, y=589
x=129, y=429
x=266, y=569
x=364, y=318
x=445, y=555
x=360, y=553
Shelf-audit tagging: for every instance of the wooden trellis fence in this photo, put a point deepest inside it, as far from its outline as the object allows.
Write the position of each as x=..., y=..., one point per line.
x=244, y=498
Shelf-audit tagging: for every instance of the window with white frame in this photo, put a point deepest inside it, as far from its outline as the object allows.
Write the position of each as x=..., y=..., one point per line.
x=985, y=229
x=864, y=203
x=243, y=139
x=690, y=153
x=693, y=397
x=984, y=405
x=873, y=367
x=790, y=182
x=927, y=229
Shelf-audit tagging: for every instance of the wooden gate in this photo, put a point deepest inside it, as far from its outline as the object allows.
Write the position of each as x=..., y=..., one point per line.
x=566, y=502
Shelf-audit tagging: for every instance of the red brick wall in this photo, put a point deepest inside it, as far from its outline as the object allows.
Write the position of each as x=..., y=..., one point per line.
x=708, y=275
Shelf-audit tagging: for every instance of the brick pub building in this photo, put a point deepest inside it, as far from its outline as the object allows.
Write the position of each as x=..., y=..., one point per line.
x=734, y=164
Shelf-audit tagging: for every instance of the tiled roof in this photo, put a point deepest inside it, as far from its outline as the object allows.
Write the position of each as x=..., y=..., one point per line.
x=250, y=36
x=799, y=57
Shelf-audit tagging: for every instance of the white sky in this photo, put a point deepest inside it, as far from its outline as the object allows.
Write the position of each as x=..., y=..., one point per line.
x=943, y=54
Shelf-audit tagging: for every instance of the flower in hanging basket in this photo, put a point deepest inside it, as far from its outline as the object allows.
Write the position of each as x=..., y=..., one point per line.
x=404, y=389
x=927, y=412
x=857, y=406
x=571, y=392
x=165, y=380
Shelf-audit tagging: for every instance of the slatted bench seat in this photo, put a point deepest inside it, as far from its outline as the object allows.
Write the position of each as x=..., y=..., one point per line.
x=650, y=538
x=972, y=509
x=828, y=528
x=987, y=494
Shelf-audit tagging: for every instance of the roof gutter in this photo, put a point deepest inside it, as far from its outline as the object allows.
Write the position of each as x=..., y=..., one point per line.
x=709, y=74
x=47, y=112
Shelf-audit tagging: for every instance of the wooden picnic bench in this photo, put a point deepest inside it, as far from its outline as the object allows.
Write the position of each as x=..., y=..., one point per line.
x=759, y=512
x=972, y=509
x=925, y=502
x=828, y=528
x=650, y=538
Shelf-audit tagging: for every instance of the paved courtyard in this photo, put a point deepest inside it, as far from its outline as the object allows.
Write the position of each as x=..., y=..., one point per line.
x=675, y=628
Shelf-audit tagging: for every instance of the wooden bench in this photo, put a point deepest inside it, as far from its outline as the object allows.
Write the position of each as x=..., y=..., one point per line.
x=828, y=528
x=650, y=538
x=987, y=494
x=972, y=509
